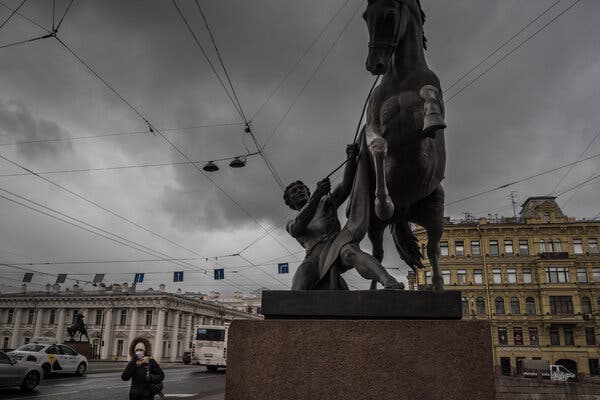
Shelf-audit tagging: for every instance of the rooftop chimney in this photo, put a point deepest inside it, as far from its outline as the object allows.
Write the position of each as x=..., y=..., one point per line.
x=24, y=288
x=48, y=287
x=161, y=287
x=55, y=288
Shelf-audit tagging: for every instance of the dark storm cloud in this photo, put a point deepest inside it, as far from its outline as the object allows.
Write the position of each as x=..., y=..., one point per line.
x=534, y=111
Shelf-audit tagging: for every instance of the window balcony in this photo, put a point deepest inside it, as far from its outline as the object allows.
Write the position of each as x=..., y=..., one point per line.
x=562, y=255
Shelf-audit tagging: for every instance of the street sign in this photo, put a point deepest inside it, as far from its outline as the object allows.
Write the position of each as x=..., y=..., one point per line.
x=178, y=276
x=139, y=277
x=219, y=273
x=283, y=268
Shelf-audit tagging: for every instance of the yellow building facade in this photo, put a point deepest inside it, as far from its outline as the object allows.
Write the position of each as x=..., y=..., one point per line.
x=536, y=278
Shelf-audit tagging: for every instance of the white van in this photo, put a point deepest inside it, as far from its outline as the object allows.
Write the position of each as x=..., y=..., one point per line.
x=560, y=374
x=209, y=347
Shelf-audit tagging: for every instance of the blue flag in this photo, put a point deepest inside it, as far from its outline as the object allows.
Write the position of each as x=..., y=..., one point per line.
x=139, y=277
x=283, y=268
x=219, y=273
x=178, y=276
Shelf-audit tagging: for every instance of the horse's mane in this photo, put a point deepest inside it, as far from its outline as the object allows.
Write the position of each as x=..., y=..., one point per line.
x=422, y=23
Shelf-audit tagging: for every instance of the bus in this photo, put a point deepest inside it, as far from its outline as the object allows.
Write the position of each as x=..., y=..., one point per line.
x=209, y=347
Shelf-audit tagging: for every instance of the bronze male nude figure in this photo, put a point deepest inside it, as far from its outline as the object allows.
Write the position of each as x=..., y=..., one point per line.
x=316, y=227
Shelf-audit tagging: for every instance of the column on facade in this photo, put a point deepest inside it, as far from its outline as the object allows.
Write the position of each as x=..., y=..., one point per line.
x=188, y=331
x=174, y=335
x=39, y=317
x=160, y=331
x=133, y=326
x=60, y=329
x=16, y=334
x=106, y=334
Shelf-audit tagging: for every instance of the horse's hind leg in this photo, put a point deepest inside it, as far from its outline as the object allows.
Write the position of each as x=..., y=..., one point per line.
x=429, y=213
x=375, y=234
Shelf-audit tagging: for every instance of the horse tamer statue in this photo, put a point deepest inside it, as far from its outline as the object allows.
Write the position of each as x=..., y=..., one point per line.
x=78, y=326
x=395, y=178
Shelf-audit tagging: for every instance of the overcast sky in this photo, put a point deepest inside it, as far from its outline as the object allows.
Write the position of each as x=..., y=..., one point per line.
x=534, y=111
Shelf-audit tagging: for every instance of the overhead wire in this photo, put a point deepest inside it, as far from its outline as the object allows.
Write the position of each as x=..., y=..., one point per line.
x=3, y=4
x=573, y=166
x=12, y=14
x=512, y=51
x=299, y=60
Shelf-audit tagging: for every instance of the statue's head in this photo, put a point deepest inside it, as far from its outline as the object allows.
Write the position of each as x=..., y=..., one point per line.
x=296, y=195
x=387, y=21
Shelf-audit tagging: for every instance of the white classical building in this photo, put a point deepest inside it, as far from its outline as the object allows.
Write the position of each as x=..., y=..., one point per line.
x=113, y=316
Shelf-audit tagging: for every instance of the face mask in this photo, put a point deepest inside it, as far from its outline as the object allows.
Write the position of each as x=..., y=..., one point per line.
x=140, y=354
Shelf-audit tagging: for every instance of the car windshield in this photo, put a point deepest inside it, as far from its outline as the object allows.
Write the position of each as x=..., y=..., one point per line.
x=215, y=335
x=31, y=347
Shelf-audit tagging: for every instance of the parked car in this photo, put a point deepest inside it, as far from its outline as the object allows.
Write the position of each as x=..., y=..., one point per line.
x=52, y=358
x=25, y=374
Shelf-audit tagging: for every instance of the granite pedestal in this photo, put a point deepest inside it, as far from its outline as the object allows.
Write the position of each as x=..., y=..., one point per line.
x=83, y=348
x=390, y=352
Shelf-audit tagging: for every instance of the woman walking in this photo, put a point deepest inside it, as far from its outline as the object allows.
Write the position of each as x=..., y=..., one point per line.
x=145, y=373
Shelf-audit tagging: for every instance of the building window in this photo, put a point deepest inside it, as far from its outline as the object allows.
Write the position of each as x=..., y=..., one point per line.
x=465, y=305
x=524, y=247
x=446, y=276
x=542, y=246
x=534, y=339
x=480, y=306
x=5, y=342
x=502, y=335
x=569, y=339
x=424, y=251
x=508, y=247
x=475, y=249
x=550, y=246
x=494, y=251
x=499, y=306
x=586, y=305
x=547, y=217
x=593, y=245
x=30, y=316
x=497, y=275
x=459, y=248
x=518, y=335
x=554, y=337
x=527, y=275
x=26, y=340
x=557, y=246
x=149, y=312
x=120, y=347
x=52, y=317
x=596, y=274
x=515, y=307
x=428, y=277
x=461, y=276
x=122, y=320
x=590, y=336
x=530, y=306
x=9, y=318
x=577, y=246
x=478, y=276
x=557, y=274
x=582, y=275
x=561, y=305
x=594, y=366
x=511, y=274
x=99, y=315
x=444, y=249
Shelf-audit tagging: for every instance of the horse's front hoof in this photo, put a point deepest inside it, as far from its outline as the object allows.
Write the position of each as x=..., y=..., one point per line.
x=384, y=209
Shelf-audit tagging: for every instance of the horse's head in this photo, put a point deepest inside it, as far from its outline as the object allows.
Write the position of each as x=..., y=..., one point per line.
x=387, y=21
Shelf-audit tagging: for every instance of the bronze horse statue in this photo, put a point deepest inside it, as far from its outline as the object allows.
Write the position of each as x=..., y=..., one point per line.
x=404, y=134
x=78, y=326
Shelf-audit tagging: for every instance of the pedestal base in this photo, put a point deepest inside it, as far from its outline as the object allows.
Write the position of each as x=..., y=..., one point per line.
x=359, y=359
x=83, y=348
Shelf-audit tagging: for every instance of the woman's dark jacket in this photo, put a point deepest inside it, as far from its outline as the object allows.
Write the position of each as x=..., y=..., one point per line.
x=142, y=377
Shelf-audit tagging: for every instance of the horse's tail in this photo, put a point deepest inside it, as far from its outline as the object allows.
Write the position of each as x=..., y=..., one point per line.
x=407, y=245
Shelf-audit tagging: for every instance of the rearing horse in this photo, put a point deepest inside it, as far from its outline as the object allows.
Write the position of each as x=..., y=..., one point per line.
x=404, y=134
